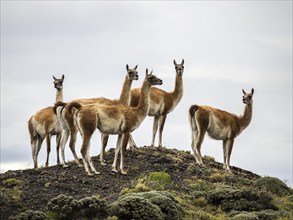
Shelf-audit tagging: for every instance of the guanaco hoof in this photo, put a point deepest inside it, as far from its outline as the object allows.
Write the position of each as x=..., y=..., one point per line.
x=228, y=171
x=90, y=174
x=114, y=170
x=64, y=165
x=124, y=172
x=132, y=147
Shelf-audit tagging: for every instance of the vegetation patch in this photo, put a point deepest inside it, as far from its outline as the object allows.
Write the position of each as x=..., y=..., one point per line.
x=217, y=177
x=135, y=207
x=163, y=188
x=11, y=190
x=30, y=215
x=267, y=215
x=229, y=199
x=273, y=185
x=159, y=204
x=155, y=181
x=209, y=158
x=245, y=216
x=66, y=207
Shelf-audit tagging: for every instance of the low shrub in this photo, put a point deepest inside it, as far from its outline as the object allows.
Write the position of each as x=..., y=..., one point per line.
x=273, y=185
x=169, y=206
x=201, y=215
x=135, y=207
x=217, y=177
x=30, y=215
x=66, y=207
x=267, y=215
x=241, y=200
x=93, y=207
x=200, y=185
x=165, y=202
x=245, y=216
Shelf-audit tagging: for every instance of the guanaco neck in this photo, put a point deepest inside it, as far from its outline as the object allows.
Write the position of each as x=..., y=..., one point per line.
x=245, y=119
x=125, y=93
x=59, y=95
x=144, y=99
x=178, y=90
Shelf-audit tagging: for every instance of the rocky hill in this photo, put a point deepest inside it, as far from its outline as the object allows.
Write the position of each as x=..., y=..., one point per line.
x=160, y=184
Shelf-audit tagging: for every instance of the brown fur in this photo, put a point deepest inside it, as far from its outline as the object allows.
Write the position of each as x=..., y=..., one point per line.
x=162, y=103
x=44, y=124
x=113, y=119
x=219, y=125
x=67, y=116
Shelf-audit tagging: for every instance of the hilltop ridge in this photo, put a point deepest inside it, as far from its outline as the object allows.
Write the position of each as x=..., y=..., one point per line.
x=36, y=187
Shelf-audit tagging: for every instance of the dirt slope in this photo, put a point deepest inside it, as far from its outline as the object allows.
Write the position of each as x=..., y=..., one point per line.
x=38, y=186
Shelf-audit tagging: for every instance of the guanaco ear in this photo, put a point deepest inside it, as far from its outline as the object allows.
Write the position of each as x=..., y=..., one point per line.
x=151, y=72
x=175, y=63
x=54, y=78
x=135, y=67
x=182, y=62
x=146, y=71
x=63, y=77
x=252, y=91
x=243, y=91
x=127, y=67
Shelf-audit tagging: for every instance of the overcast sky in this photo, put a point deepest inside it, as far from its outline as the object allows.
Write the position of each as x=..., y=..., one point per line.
x=227, y=46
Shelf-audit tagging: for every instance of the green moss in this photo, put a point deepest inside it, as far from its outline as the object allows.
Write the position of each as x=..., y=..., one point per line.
x=12, y=182
x=209, y=158
x=156, y=180
x=273, y=185
x=10, y=195
x=11, y=192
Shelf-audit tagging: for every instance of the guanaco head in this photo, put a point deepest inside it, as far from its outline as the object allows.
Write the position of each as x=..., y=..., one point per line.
x=247, y=97
x=179, y=67
x=58, y=83
x=132, y=73
x=152, y=79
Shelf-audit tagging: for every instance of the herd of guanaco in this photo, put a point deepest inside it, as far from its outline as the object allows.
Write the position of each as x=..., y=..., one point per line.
x=122, y=116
